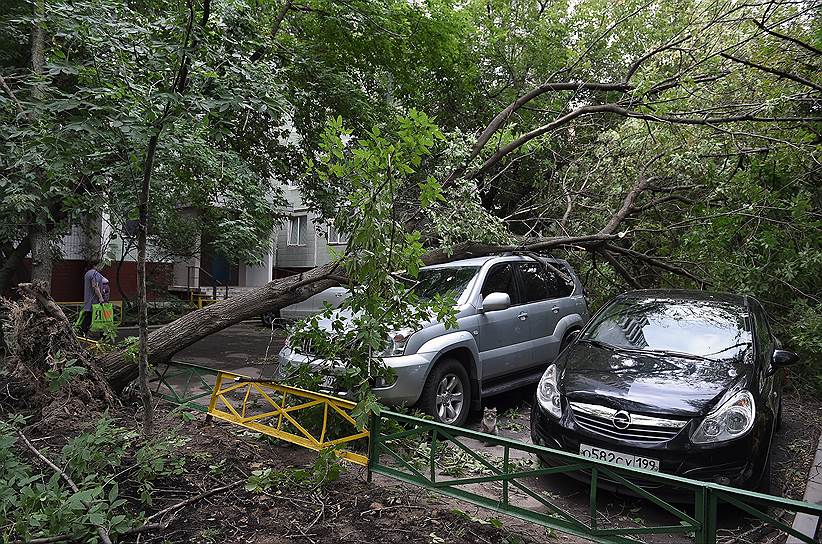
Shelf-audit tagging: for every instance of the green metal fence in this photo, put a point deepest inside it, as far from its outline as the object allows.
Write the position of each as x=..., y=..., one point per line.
x=397, y=441
x=184, y=384
x=411, y=450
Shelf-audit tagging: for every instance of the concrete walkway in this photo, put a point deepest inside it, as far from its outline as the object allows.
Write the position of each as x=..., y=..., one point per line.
x=805, y=523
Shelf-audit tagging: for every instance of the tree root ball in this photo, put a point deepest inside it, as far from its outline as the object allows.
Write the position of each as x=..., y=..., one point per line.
x=46, y=373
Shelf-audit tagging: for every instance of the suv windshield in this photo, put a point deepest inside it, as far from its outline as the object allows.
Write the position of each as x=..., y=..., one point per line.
x=443, y=281
x=709, y=329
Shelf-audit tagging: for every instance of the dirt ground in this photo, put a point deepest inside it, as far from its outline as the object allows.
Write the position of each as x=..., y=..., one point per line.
x=385, y=511
x=346, y=510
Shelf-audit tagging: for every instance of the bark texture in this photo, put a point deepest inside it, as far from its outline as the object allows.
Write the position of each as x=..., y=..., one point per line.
x=164, y=342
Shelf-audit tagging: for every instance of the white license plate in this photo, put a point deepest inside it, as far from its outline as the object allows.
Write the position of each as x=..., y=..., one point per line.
x=617, y=458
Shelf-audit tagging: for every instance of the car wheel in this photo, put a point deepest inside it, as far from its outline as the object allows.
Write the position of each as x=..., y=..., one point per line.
x=447, y=393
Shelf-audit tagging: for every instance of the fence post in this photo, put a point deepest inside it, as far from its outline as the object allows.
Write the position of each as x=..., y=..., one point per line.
x=373, y=446
x=705, y=512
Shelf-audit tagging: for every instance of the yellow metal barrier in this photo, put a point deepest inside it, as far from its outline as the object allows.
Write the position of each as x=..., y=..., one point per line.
x=92, y=345
x=251, y=404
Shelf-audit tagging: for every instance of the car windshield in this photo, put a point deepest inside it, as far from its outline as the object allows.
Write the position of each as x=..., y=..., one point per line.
x=701, y=328
x=448, y=280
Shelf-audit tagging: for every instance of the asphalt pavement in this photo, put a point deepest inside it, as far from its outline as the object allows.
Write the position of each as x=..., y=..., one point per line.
x=246, y=348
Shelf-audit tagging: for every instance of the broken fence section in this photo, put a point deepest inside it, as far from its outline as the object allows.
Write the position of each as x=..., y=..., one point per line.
x=305, y=418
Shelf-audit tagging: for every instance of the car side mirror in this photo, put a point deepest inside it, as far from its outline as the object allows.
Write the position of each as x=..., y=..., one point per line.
x=782, y=357
x=496, y=301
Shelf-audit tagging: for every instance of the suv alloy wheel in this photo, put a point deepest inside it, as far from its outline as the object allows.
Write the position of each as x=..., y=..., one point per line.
x=447, y=393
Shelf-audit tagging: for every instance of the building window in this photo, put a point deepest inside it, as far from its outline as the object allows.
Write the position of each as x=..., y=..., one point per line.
x=334, y=237
x=297, y=226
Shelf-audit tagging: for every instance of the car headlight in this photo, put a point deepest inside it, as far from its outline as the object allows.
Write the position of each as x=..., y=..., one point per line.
x=397, y=341
x=732, y=419
x=548, y=392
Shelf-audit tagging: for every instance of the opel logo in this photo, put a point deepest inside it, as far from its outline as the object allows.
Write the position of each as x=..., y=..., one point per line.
x=621, y=419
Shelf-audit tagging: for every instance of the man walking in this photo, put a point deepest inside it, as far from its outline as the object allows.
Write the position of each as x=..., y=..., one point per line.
x=92, y=294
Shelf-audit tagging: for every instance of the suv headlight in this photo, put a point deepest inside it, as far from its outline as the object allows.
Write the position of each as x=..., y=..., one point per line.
x=732, y=419
x=548, y=392
x=397, y=341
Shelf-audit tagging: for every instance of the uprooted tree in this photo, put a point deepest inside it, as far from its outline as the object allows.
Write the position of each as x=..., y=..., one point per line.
x=655, y=138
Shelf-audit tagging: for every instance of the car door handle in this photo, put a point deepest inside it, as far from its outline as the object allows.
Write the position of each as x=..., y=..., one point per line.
x=555, y=309
x=522, y=316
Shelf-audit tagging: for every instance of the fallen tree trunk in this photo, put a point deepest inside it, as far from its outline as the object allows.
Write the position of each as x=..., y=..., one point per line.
x=120, y=367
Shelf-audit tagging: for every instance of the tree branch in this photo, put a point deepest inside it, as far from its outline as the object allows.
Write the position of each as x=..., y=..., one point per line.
x=658, y=263
x=661, y=200
x=785, y=37
x=638, y=62
x=774, y=71
x=101, y=531
x=502, y=117
x=621, y=270
x=625, y=112
x=11, y=94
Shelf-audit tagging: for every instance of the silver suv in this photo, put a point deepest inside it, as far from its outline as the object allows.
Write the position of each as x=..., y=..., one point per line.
x=514, y=315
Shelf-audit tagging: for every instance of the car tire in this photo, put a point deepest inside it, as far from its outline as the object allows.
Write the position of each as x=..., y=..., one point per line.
x=447, y=379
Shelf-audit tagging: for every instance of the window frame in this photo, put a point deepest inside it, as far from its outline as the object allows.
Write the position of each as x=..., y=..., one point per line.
x=521, y=280
x=514, y=277
x=340, y=241
x=303, y=218
x=557, y=278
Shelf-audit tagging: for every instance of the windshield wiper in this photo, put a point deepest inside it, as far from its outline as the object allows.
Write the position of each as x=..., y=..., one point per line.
x=671, y=353
x=746, y=344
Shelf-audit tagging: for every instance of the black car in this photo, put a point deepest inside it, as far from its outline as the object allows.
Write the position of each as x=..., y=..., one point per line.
x=682, y=382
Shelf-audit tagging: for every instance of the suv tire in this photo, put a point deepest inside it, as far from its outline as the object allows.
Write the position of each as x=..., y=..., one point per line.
x=447, y=393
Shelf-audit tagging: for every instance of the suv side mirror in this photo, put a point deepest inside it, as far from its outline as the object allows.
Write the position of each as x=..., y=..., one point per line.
x=783, y=357
x=496, y=301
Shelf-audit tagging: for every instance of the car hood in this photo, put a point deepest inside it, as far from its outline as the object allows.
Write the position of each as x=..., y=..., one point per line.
x=644, y=383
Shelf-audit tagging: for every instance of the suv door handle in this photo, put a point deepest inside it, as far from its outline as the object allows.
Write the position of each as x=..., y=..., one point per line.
x=555, y=309
x=522, y=316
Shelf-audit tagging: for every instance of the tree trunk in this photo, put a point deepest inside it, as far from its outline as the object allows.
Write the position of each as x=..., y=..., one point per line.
x=142, y=312
x=41, y=256
x=163, y=343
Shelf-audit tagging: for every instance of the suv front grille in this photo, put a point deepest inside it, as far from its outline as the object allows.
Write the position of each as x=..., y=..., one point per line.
x=600, y=420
